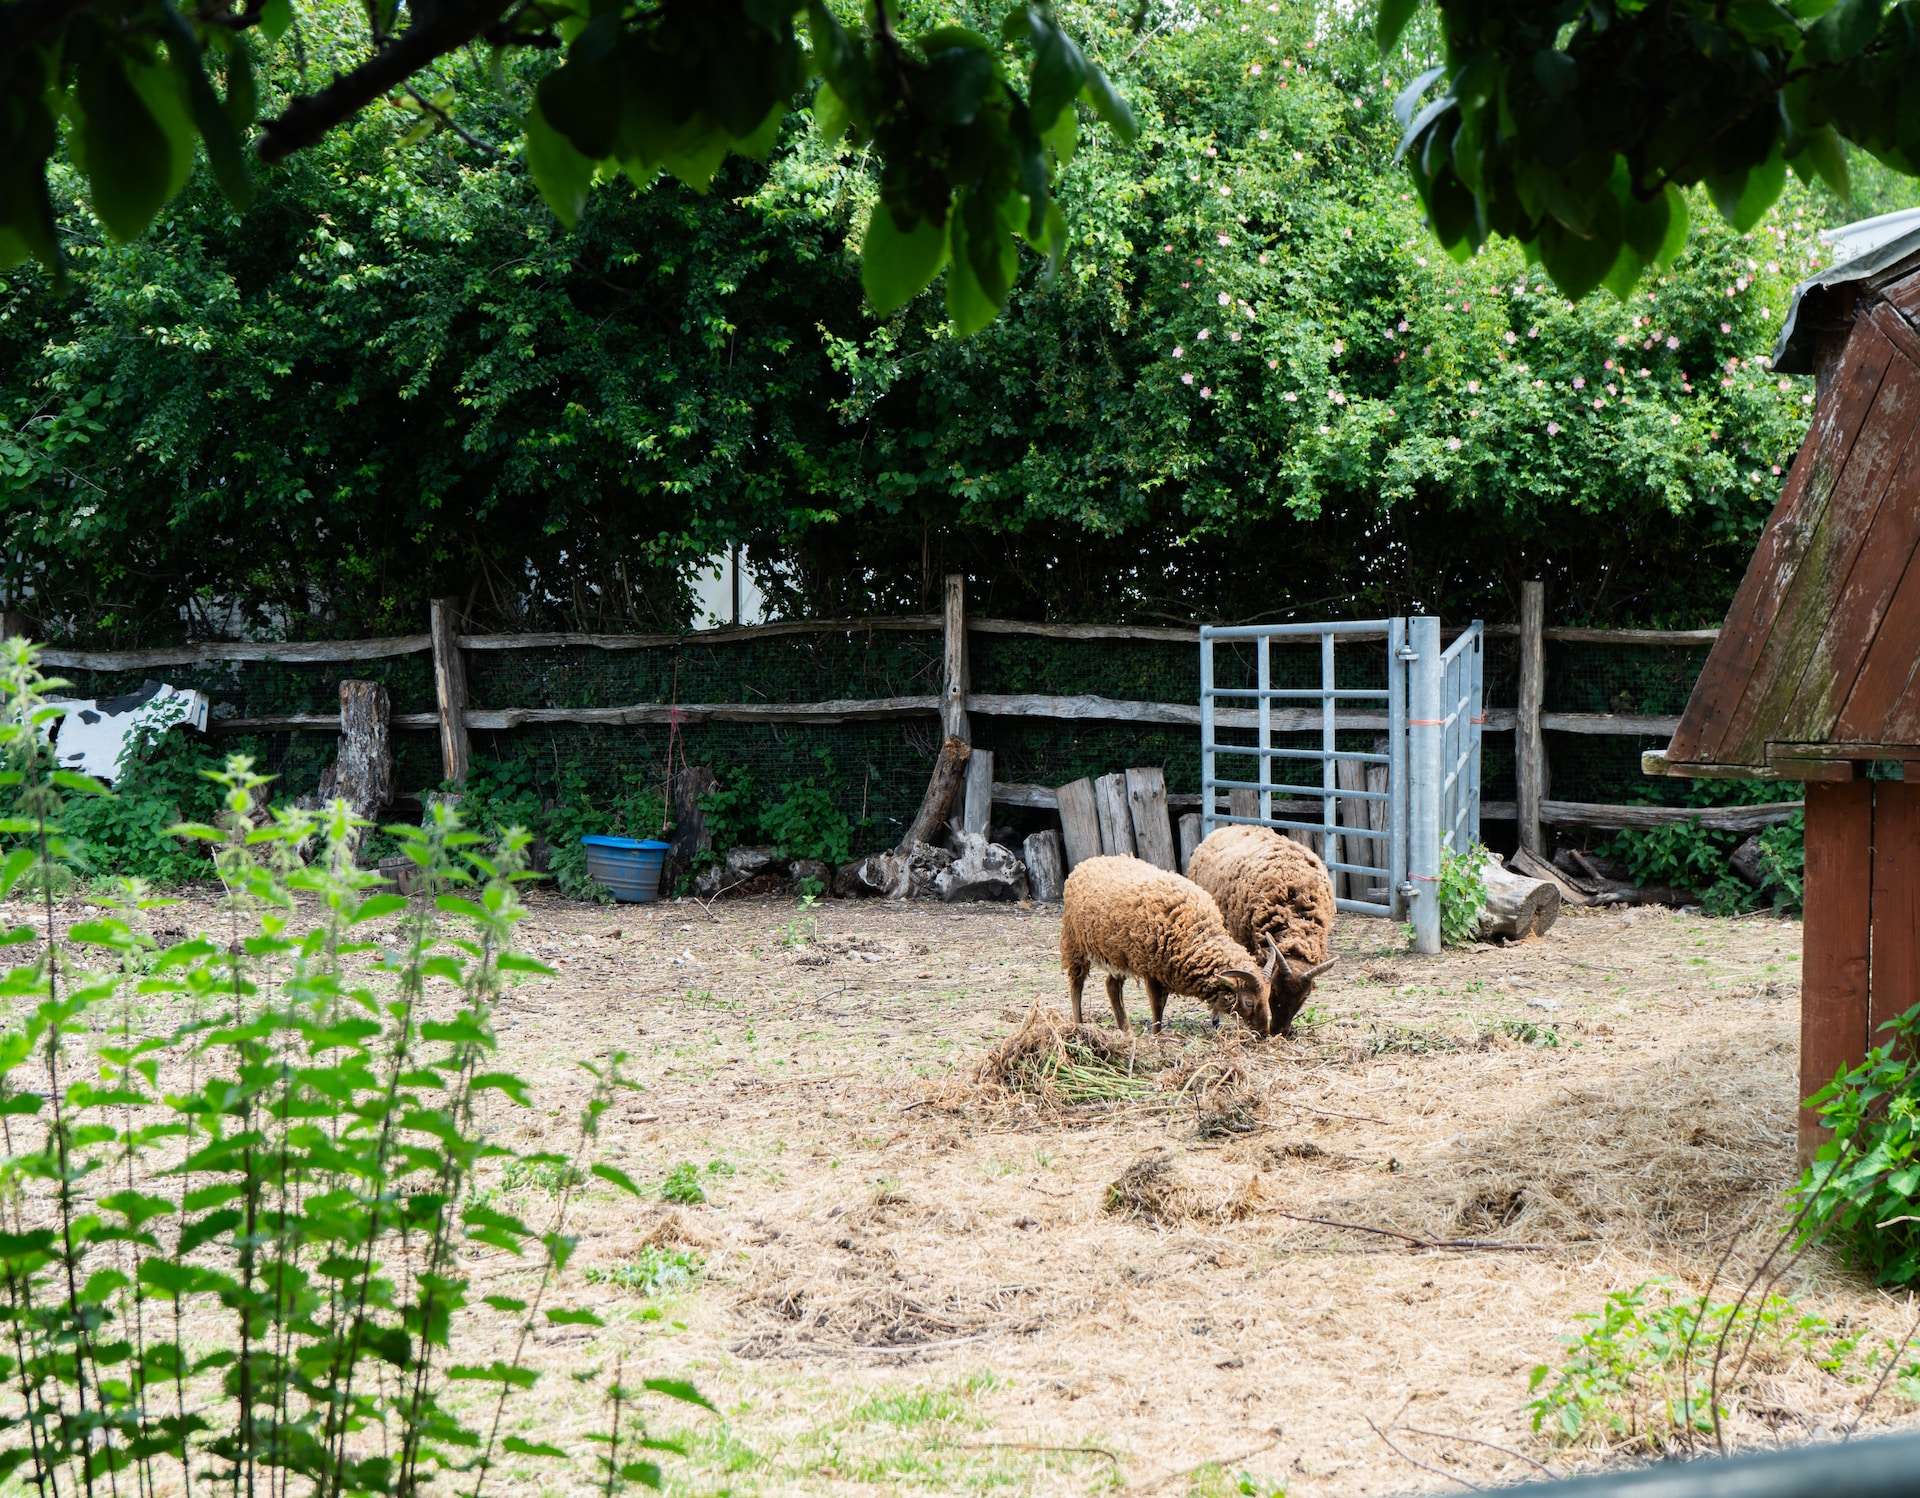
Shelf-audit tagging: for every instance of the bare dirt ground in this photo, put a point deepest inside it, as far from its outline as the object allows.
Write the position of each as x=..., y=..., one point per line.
x=913, y=1285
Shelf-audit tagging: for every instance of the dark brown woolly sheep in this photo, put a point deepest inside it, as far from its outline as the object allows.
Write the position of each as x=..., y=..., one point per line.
x=1270, y=888
x=1136, y=921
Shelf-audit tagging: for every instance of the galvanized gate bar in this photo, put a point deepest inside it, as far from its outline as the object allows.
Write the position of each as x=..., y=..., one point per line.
x=1460, y=790
x=1426, y=728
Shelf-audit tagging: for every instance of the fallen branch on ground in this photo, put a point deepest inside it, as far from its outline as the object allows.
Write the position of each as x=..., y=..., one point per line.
x=1418, y=1242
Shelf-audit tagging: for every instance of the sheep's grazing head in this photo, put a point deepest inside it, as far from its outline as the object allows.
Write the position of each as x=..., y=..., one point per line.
x=1290, y=992
x=1246, y=993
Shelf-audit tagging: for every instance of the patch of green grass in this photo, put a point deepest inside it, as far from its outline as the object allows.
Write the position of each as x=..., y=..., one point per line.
x=550, y=1176
x=682, y=1185
x=908, y=1408
x=656, y=1272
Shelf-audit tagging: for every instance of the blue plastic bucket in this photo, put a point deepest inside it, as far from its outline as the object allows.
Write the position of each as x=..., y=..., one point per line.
x=627, y=866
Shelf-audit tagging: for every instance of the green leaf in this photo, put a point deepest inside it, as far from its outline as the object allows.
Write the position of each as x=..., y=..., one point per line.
x=521, y=1447
x=85, y=785
x=896, y=267
x=375, y=907
x=1744, y=197
x=275, y=17
x=574, y=1318
x=1579, y=263
x=495, y=1372
x=559, y=171
x=1106, y=103
x=1826, y=155
x=122, y=148
x=15, y=868
x=1625, y=274
x=830, y=115
x=1847, y=29
x=618, y=1177
x=217, y=127
x=680, y=1389
x=1391, y=21
x=1679, y=217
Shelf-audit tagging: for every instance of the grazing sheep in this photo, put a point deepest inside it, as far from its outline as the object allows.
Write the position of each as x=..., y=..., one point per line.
x=1271, y=889
x=1136, y=921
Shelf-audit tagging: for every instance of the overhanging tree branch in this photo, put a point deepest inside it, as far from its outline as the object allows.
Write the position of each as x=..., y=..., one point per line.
x=438, y=31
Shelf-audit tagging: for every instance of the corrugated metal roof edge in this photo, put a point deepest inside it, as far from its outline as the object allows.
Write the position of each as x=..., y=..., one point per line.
x=1793, y=354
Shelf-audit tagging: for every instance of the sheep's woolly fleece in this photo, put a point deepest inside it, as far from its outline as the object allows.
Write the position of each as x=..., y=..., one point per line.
x=1132, y=919
x=1267, y=885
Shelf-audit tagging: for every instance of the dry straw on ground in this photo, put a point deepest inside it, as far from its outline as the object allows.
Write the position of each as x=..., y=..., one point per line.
x=914, y=1280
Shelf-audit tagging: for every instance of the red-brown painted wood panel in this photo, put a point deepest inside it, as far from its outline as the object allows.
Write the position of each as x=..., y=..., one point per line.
x=1882, y=707
x=1905, y=294
x=1894, y=980
x=1833, y=545
x=1836, y=939
x=1821, y=461
x=1886, y=543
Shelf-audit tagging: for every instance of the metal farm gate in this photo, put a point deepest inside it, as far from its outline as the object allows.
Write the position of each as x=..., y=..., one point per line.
x=1378, y=808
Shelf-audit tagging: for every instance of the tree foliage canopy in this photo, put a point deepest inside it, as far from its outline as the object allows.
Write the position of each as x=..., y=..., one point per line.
x=1573, y=126
x=1251, y=385
x=968, y=138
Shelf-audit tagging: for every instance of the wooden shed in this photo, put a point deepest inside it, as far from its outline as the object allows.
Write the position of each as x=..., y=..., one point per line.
x=1813, y=676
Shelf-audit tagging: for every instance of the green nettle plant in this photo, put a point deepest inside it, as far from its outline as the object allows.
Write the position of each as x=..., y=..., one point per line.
x=1463, y=894
x=1863, y=1189
x=238, y=1190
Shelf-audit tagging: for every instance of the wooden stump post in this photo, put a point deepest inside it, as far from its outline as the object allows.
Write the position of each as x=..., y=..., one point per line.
x=1529, y=748
x=689, y=821
x=1046, y=878
x=1147, y=810
x=1189, y=838
x=953, y=694
x=1116, y=818
x=363, y=774
x=1836, y=941
x=449, y=690
x=977, y=807
x=1079, y=822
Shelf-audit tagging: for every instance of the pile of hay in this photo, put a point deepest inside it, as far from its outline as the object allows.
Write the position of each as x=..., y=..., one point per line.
x=1061, y=1065
x=1067, y=1065
x=1152, y=1188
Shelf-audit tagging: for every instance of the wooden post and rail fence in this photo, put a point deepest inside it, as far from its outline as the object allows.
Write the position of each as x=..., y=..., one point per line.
x=453, y=720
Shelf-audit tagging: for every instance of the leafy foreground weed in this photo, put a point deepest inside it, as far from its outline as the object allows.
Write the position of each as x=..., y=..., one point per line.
x=286, y=1164
x=1656, y=1368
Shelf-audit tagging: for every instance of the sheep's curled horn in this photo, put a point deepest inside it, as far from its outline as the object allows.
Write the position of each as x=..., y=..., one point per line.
x=1287, y=967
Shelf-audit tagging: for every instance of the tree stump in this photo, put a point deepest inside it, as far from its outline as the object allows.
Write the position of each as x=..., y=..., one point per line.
x=1516, y=905
x=363, y=773
x=949, y=774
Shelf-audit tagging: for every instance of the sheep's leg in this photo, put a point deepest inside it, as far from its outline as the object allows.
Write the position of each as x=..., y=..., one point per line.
x=1157, y=1004
x=1076, y=982
x=1116, y=986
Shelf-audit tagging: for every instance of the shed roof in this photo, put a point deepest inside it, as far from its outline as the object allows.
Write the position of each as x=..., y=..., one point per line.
x=1815, y=664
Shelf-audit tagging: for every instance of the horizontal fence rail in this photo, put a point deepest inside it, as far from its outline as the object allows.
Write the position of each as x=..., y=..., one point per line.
x=1301, y=718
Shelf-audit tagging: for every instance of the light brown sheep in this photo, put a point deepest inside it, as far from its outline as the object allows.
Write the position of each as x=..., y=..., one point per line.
x=1136, y=921
x=1271, y=889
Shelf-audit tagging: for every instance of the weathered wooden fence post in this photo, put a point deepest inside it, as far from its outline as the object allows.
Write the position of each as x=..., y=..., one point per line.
x=449, y=690
x=953, y=694
x=1529, y=748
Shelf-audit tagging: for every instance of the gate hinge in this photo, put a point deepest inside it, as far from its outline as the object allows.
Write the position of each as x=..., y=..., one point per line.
x=1407, y=889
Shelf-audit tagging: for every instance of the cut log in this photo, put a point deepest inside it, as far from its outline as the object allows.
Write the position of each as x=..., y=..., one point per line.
x=1746, y=863
x=363, y=774
x=949, y=772
x=1516, y=905
x=977, y=806
x=1079, y=822
x=1116, y=819
x=1046, y=872
x=1189, y=838
x=1527, y=863
x=1147, y=809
